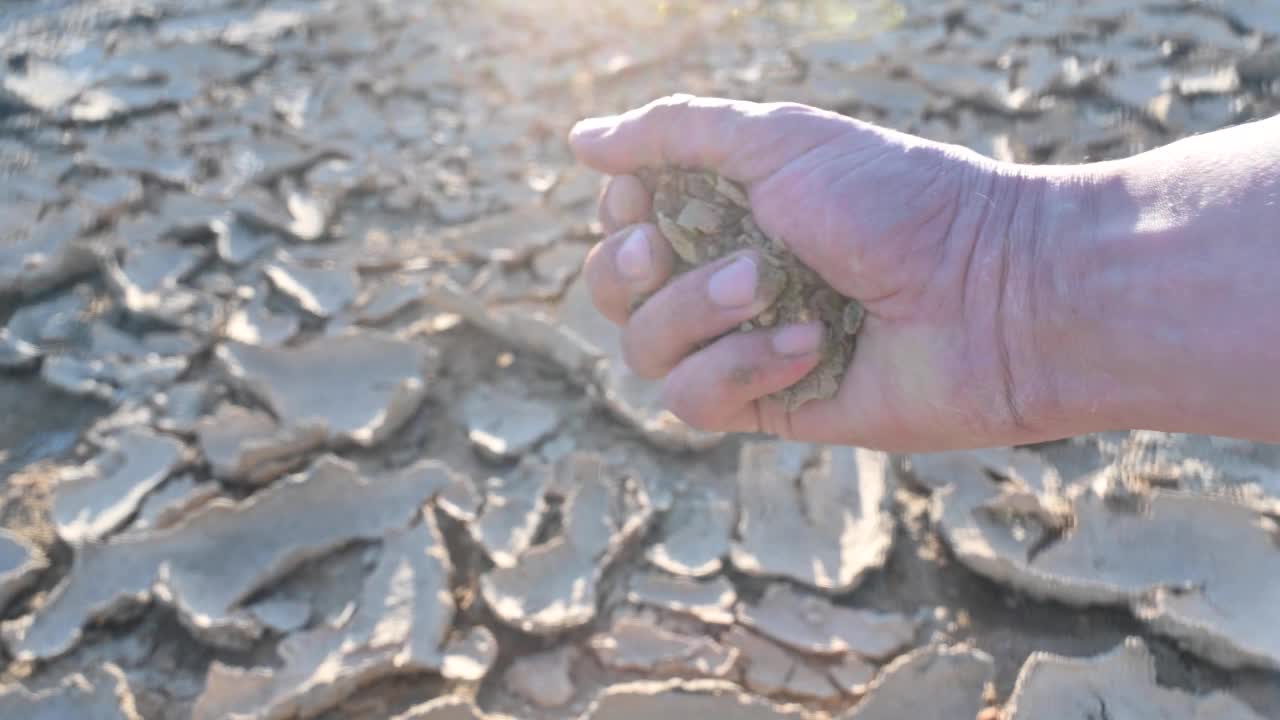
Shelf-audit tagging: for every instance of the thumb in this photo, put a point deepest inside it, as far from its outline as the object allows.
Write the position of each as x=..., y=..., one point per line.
x=744, y=141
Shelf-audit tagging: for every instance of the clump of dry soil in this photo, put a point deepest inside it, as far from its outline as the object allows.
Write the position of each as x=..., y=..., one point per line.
x=706, y=217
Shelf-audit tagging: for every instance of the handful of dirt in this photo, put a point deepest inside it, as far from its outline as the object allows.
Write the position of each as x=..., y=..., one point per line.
x=705, y=217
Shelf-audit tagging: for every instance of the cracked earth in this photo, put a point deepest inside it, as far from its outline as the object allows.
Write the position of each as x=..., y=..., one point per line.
x=307, y=414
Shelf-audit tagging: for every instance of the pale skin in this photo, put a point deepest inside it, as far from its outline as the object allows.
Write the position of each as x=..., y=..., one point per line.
x=1006, y=304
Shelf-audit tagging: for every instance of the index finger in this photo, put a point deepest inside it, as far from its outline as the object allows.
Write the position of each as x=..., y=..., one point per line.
x=744, y=141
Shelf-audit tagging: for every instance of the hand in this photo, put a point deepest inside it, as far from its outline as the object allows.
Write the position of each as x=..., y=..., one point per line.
x=935, y=240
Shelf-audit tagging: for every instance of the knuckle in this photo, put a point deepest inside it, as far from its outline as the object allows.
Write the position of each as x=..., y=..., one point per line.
x=595, y=261
x=785, y=108
x=598, y=275
x=665, y=107
x=602, y=208
x=627, y=201
x=699, y=415
x=603, y=286
x=639, y=355
x=795, y=108
x=676, y=100
x=776, y=420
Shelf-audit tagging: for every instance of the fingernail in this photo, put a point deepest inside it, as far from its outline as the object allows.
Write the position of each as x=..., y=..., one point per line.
x=591, y=126
x=795, y=340
x=734, y=285
x=633, y=258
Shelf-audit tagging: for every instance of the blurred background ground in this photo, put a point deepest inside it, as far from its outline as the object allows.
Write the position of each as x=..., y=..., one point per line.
x=246, y=239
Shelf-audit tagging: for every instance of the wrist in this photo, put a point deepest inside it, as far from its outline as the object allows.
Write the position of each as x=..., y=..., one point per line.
x=1152, y=277
x=1069, y=359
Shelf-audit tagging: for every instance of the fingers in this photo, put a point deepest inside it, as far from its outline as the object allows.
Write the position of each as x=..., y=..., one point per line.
x=625, y=201
x=629, y=264
x=716, y=387
x=698, y=306
x=725, y=386
x=679, y=130
x=634, y=260
x=742, y=140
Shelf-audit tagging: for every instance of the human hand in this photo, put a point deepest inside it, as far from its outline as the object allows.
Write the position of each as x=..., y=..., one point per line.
x=939, y=243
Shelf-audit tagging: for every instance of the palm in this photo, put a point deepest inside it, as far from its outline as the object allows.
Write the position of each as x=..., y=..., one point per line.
x=899, y=225
x=917, y=231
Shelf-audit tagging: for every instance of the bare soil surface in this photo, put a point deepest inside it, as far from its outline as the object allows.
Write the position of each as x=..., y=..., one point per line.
x=305, y=413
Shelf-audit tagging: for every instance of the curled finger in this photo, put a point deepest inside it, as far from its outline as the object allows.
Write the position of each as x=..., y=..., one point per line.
x=696, y=308
x=627, y=265
x=624, y=201
x=726, y=386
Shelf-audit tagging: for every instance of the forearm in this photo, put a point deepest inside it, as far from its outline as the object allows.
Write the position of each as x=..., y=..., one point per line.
x=1163, y=289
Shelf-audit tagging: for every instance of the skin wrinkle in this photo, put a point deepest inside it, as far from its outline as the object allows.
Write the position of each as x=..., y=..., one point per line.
x=722, y=123
x=966, y=276
x=828, y=230
x=1180, y=273
x=952, y=210
x=655, y=113
x=829, y=224
x=1068, y=289
x=950, y=207
x=1033, y=394
x=1015, y=392
x=1122, y=290
x=736, y=165
x=1035, y=239
x=767, y=421
x=666, y=107
x=996, y=222
x=945, y=173
x=663, y=151
x=649, y=320
x=1000, y=335
x=1068, y=217
x=831, y=245
x=751, y=369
